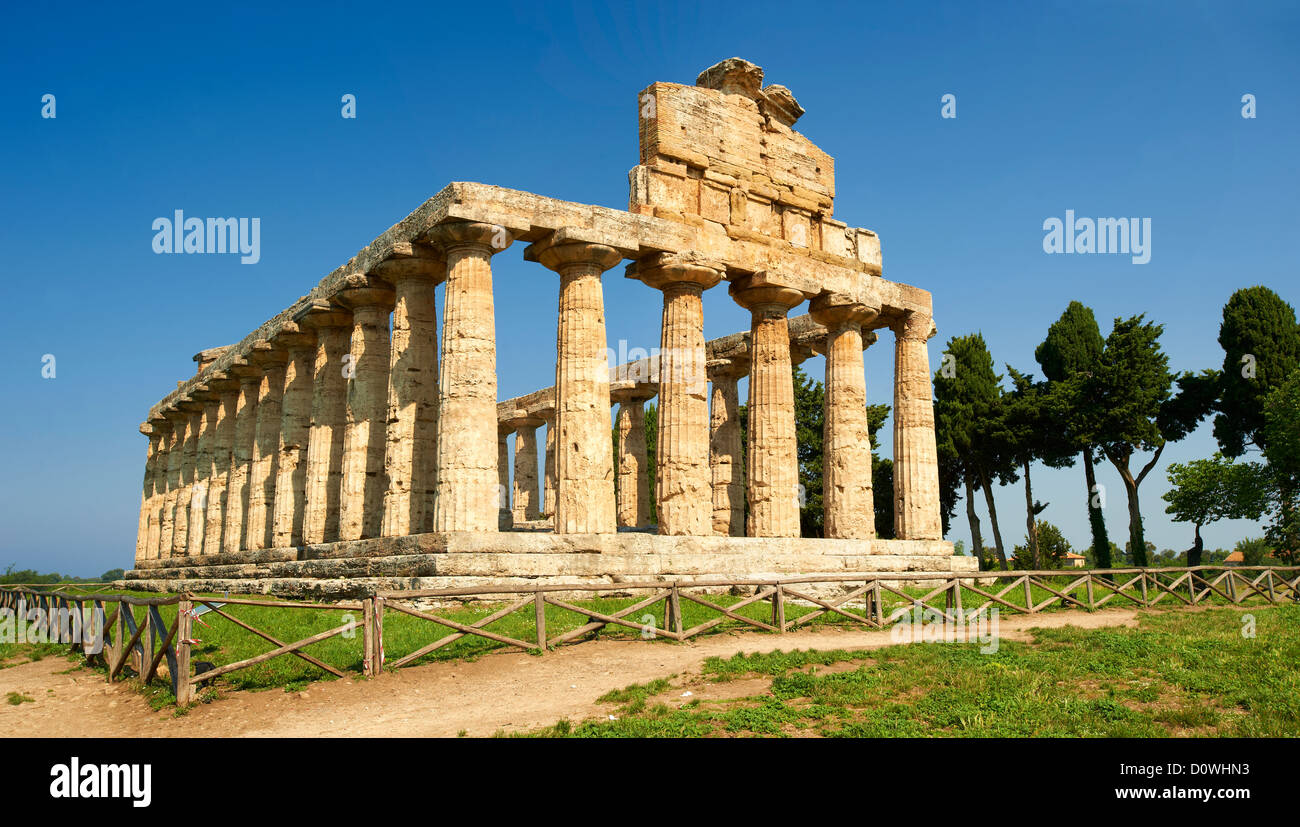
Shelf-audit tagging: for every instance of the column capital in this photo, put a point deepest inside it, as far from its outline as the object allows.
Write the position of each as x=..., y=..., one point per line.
x=522, y=420
x=293, y=336
x=223, y=382
x=764, y=297
x=321, y=314
x=413, y=260
x=489, y=238
x=731, y=369
x=207, y=356
x=360, y=291
x=158, y=424
x=661, y=270
x=187, y=406
x=914, y=325
x=562, y=252
x=833, y=310
x=267, y=356
x=625, y=392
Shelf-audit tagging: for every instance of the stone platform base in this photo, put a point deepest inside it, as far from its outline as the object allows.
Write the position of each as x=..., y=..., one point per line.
x=525, y=558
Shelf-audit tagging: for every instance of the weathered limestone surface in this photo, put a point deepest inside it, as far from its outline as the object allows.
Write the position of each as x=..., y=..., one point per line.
x=266, y=445
x=147, y=494
x=189, y=460
x=362, y=495
x=633, y=470
x=548, y=486
x=525, y=482
x=583, y=450
x=467, y=484
x=411, y=431
x=333, y=326
x=199, y=499
x=726, y=459
x=846, y=443
x=223, y=443
x=238, y=489
x=158, y=495
x=505, y=516
x=916, y=459
x=295, y=428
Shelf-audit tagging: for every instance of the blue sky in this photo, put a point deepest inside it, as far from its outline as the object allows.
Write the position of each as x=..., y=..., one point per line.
x=1108, y=109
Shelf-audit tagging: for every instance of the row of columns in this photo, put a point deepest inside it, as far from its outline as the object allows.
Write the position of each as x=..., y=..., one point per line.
x=333, y=430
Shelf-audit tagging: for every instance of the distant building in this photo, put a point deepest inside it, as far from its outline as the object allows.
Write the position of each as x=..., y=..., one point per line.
x=1074, y=561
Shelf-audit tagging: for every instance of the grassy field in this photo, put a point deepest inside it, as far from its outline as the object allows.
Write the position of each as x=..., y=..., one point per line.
x=222, y=642
x=1181, y=673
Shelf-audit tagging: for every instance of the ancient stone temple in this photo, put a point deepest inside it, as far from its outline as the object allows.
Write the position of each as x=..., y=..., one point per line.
x=353, y=441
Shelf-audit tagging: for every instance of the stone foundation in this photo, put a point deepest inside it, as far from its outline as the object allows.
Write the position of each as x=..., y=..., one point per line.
x=467, y=559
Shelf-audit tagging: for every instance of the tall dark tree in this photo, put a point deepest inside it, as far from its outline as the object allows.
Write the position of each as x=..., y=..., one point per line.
x=1261, y=348
x=1282, y=451
x=1069, y=357
x=809, y=426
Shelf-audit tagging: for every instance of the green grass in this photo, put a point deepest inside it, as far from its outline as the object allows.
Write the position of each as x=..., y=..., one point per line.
x=1178, y=674
x=15, y=698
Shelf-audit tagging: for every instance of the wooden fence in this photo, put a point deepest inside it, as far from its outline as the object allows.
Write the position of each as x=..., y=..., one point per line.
x=868, y=600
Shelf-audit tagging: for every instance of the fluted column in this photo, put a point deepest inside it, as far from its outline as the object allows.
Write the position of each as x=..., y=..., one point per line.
x=178, y=420
x=147, y=493
x=199, y=496
x=412, y=396
x=266, y=443
x=772, y=463
x=726, y=462
x=633, y=476
x=525, y=505
x=330, y=369
x=467, y=480
x=916, y=461
x=241, y=457
x=189, y=459
x=548, y=484
x=223, y=444
x=361, y=502
x=584, y=452
x=683, y=490
x=163, y=430
x=505, y=517
x=846, y=461
x=295, y=424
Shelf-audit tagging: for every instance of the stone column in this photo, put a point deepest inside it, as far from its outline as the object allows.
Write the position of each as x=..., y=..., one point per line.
x=295, y=425
x=772, y=463
x=412, y=396
x=241, y=457
x=916, y=459
x=850, y=511
x=266, y=444
x=361, y=501
x=548, y=484
x=162, y=429
x=467, y=384
x=179, y=421
x=683, y=490
x=505, y=517
x=199, y=496
x=223, y=444
x=147, y=493
x=525, y=485
x=332, y=364
x=726, y=462
x=584, y=452
x=633, y=476
x=189, y=459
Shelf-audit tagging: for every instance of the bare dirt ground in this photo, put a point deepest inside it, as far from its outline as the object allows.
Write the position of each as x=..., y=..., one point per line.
x=498, y=692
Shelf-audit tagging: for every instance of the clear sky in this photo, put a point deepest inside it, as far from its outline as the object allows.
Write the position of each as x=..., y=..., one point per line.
x=1106, y=109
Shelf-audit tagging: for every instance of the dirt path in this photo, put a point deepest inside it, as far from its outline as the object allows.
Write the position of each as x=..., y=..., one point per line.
x=499, y=692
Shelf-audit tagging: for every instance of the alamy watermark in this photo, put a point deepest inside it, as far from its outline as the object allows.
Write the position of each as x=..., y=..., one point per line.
x=179, y=234
x=918, y=624
x=1125, y=236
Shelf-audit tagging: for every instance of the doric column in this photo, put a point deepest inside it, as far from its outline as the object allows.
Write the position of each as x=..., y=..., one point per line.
x=162, y=429
x=193, y=410
x=199, y=495
x=916, y=461
x=525, y=485
x=633, y=471
x=683, y=490
x=467, y=481
x=726, y=462
x=223, y=444
x=846, y=442
x=772, y=463
x=179, y=421
x=584, y=452
x=266, y=444
x=548, y=483
x=505, y=517
x=241, y=456
x=361, y=502
x=290, y=500
x=147, y=493
x=412, y=416
x=330, y=369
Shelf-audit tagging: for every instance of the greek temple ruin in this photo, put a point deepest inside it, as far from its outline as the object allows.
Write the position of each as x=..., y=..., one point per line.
x=352, y=441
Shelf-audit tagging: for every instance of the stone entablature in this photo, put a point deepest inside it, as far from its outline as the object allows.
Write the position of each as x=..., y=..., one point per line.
x=330, y=423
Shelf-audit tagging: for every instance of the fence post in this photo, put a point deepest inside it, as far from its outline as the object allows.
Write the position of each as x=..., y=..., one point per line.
x=184, y=631
x=876, y=604
x=1092, y=606
x=675, y=604
x=368, y=636
x=1145, y=600
x=778, y=608
x=119, y=639
x=1191, y=583
x=378, y=656
x=539, y=617
x=1272, y=596
x=1232, y=586
x=1029, y=595
x=956, y=594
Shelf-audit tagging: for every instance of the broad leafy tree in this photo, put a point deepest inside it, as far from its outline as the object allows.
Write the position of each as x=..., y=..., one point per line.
x=1206, y=490
x=1261, y=348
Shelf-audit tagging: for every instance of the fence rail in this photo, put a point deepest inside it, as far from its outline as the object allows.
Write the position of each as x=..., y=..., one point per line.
x=107, y=630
